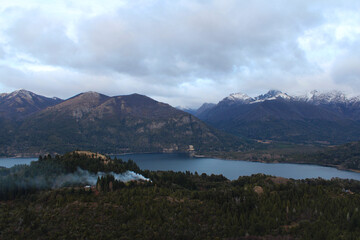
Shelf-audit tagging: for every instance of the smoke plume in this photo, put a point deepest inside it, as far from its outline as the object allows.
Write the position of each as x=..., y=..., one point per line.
x=85, y=177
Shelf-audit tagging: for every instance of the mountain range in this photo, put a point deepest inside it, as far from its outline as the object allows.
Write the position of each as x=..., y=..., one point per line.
x=33, y=124
x=313, y=118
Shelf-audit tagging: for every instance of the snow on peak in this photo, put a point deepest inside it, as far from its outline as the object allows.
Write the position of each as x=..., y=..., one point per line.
x=272, y=95
x=354, y=99
x=238, y=97
x=318, y=97
x=244, y=98
x=314, y=97
x=333, y=96
x=22, y=93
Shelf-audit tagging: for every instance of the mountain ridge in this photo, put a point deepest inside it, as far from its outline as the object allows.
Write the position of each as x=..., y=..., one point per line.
x=126, y=123
x=22, y=103
x=320, y=117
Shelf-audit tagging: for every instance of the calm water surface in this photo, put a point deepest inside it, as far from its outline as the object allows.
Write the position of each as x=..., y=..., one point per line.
x=230, y=169
x=233, y=169
x=9, y=162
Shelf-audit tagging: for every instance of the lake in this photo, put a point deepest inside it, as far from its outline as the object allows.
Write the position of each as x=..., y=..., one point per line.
x=230, y=169
x=9, y=162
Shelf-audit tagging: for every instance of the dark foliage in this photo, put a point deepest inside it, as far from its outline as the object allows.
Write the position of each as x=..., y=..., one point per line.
x=197, y=207
x=346, y=156
x=40, y=175
x=177, y=205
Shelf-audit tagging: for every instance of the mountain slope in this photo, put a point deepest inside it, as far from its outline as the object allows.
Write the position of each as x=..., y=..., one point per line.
x=277, y=116
x=132, y=123
x=203, y=108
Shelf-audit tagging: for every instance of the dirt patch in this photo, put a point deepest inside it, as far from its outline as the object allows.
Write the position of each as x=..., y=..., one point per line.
x=279, y=180
x=105, y=159
x=259, y=190
x=92, y=154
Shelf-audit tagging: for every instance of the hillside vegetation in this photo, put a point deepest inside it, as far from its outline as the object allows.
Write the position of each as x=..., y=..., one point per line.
x=346, y=156
x=184, y=206
x=132, y=123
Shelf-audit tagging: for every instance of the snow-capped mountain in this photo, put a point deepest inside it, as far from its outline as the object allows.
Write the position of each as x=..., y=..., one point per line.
x=315, y=116
x=272, y=95
x=246, y=99
x=239, y=97
x=315, y=97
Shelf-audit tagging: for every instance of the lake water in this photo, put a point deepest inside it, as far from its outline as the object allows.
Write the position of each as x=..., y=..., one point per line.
x=233, y=169
x=230, y=169
x=9, y=162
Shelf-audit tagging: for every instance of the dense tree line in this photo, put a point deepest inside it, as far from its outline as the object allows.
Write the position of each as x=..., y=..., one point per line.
x=41, y=174
x=346, y=156
x=208, y=208
x=176, y=205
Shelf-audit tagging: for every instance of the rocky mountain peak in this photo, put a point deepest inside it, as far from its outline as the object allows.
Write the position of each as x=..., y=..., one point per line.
x=272, y=95
x=21, y=94
x=238, y=97
x=317, y=97
x=90, y=94
x=21, y=103
x=245, y=99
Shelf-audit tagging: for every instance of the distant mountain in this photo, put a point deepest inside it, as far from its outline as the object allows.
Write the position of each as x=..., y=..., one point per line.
x=188, y=110
x=316, y=117
x=22, y=103
x=335, y=101
x=132, y=123
x=198, y=111
x=203, y=108
x=15, y=107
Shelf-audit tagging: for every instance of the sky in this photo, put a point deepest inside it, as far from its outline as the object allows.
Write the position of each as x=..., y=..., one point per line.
x=182, y=52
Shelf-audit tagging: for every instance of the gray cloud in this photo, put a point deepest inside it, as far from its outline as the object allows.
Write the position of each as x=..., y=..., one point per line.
x=346, y=69
x=43, y=37
x=180, y=40
x=2, y=53
x=175, y=50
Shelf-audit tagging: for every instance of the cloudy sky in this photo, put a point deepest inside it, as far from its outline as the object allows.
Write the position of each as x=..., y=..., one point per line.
x=183, y=52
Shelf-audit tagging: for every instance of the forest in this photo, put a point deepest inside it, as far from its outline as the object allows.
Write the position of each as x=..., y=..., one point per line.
x=345, y=156
x=173, y=205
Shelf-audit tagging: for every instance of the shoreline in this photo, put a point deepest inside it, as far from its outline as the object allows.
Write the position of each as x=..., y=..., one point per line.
x=338, y=167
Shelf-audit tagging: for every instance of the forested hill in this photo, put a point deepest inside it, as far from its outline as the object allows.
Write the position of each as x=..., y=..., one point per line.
x=345, y=156
x=170, y=205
